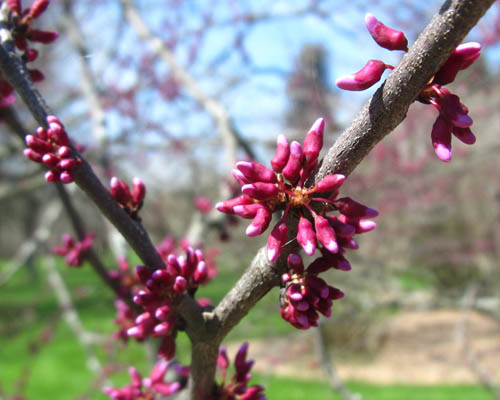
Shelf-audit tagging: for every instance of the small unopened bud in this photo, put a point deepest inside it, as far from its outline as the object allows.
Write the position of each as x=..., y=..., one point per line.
x=441, y=139
x=260, y=190
x=38, y=7
x=294, y=164
x=40, y=36
x=66, y=177
x=353, y=209
x=276, y=241
x=260, y=222
x=33, y=155
x=306, y=236
x=364, y=78
x=280, y=158
x=256, y=172
x=50, y=160
x=138, y=191
x=329, y=183
x=325, y=234
x=386, y=37
x=313, y=141
x=15, y=6
x=295, y=263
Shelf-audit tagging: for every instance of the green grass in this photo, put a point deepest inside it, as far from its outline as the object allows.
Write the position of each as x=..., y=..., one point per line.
x=58, y=370
x=293, y=389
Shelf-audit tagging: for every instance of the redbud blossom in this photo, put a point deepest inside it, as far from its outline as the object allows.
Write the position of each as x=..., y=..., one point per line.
x=305, y=294
x=22, y=32
x=237, y=388
x=74, y=251
x=284, y=188
x=453, y=116
x=130, y=202
x=145, y=388
x=385, y=37
x=51, y=147
x=364, y=78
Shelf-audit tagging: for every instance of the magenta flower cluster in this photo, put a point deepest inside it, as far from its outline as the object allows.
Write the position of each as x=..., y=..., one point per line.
x=150, y=388
x=237, y=388
x=131, y=202
x=285, y=187
x=23, y=32
x=74, y=251
x=305, y=294
x=183, y=274
x=453, y=118
x=51, y=147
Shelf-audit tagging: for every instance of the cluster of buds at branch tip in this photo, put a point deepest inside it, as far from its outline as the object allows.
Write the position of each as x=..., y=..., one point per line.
x=131, y=202
x=183, y=274
x=149, y=388
x=304, y=294
x=52, y=147
x=284, y=188
x=453, y=116
x=73, y=251
x=237, y=388
x=22, y=32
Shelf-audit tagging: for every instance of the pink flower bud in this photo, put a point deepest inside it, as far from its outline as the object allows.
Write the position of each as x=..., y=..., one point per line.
x=313, y=142
x=461, y=58
x=342, y=228
x=162, y=313
x=31, y=55
x=201, y=272
x=39, y=145
x=159, y=371
x=247, y=210
x=163, y=328
x=295, y=263
x=167, y=348
x=454, y=111
x=256, y=172
x=38, y=7
x=36, y=75
x=180, y=285
x=294, y=164
x=227, y=206
x=68, y=163
x=364, y=78
x=353, y=209
x=143, y=273
x=51, y=176
x=33, y=155
x=240, y=177
x=260, y=222
x=385, y=37
x=276, y=241
x=329, y=183
x=464, y=134
x=203, y=204
x=138, y=191
x=260, y=190
x=15, y=6
x=64, y=152
x=280, y=158
x=118, y=191
x=40, y=36
x=325, y=234
x=42, y=133
x=441, y=139
x=222, y=359
x=173, y=266
x=306, y=236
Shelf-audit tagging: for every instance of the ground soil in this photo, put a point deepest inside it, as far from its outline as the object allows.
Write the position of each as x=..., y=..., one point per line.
x=424, y=347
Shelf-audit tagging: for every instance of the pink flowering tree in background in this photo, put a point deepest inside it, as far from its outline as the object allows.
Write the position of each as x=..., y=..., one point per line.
x=298, y=199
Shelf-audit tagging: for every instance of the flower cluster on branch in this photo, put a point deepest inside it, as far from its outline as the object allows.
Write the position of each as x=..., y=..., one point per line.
x=453, y=116
x=23, y=32
x=74, y=251
x=51, y=147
